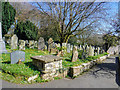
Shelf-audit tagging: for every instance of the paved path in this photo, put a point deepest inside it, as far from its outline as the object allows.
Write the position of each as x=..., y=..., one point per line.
x=100, y=76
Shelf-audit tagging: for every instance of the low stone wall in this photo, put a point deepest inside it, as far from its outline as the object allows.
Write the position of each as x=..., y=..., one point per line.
x=77, y=70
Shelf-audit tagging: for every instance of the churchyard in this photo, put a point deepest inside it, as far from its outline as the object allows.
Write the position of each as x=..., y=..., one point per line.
x=30, y=62
x=40, y=44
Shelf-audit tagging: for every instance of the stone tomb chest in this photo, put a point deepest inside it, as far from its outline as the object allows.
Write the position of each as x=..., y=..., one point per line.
x=49, y=65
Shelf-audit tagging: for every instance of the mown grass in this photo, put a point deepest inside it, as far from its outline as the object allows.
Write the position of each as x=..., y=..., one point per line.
x=19, y=73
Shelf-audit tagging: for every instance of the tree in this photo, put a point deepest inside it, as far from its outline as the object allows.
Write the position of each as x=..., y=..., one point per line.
x=48, y=30
x=8, y=16
x=26, y=31
x=110, y=40
x=83, y=36
x=69, y=17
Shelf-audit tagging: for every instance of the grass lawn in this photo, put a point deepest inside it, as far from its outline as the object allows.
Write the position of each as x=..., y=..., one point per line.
x=19, y=73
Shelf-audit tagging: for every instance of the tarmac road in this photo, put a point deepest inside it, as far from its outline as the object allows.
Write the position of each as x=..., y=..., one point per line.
x=100, y=76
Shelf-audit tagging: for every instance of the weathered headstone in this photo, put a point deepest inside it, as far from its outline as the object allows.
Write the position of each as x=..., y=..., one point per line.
x=68, y=48
x=87, y=51
x=50, y=44
x=31, y=44
x=14, y=42
x=98, y=51
x=2, y=43
x=26, y=43
x=71, y=47
x=90, y=51
x=54, y=45
x=58, y=45
x=80, y=47
x=45, y=47
x=53, y=51
x=74, y=54
x=41, y=43
x=16, y=56
x=64, y=45
x=93, y=48
x=36, y=44
x=84, y=53
x=4, y=39
x=21, y=45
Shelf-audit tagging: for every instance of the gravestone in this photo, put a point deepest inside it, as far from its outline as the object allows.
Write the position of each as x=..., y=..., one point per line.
x=64, y=45
x=90, y=51
x=16, y=56
x=54, y=45
x=31, y=44
x=53, y=51
x=74, y=54
x=68, y=48
x=58, y=45
x=21, y=45
x=93, y=48
x=50, y=44
x=87, y=51
x=71, y=47
x=41, y=43
x=36, y=44
x=4, y=39
x=14, y=42
x=98, y=51
x=84, y=54
x=2, y=43
x=26, y=43
x=45, y=48
x=80, y=47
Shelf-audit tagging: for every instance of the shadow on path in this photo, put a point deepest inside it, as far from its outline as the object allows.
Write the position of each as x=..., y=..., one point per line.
x=108, y=69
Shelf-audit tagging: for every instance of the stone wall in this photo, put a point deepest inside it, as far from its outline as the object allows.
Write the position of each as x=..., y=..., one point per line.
x=77, y=70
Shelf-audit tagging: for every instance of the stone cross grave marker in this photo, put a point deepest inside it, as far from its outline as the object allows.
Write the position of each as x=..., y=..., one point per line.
x=41, y=43
x=16, y=56
x=14, y=42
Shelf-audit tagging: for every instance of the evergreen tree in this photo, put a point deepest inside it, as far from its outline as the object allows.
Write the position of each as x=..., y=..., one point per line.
x=8, y=16
x=26, y=31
